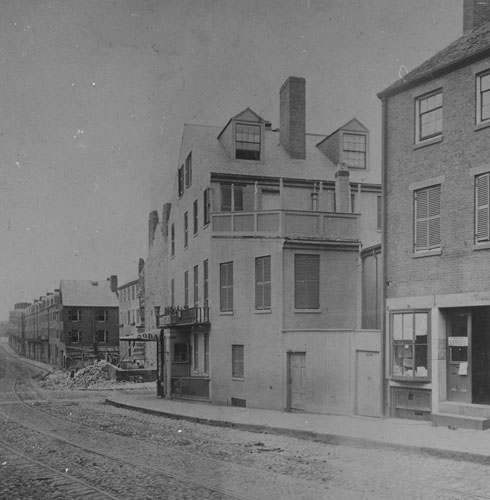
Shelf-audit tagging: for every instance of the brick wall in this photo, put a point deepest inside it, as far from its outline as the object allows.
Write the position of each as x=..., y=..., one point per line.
x=460, y=268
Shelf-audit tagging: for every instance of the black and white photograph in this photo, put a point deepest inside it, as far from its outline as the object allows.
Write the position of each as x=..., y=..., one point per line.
x=244, y=249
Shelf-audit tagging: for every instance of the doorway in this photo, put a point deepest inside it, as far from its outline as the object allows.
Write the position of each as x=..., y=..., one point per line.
x=468, y=360
x=297, y=380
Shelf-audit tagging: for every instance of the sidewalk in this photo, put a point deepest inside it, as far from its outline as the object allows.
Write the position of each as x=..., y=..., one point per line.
x=462, y=444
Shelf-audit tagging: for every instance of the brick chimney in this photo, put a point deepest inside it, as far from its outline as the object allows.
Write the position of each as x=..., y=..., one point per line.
x=476, y=13
x=152, y=225
x=165, y=217
x=342, y=191
x=113, y=283
x=292, y=117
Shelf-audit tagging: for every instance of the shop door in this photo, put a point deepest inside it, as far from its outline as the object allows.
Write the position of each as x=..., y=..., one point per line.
x=368, y=378
x=297, y=380
x=459, y=357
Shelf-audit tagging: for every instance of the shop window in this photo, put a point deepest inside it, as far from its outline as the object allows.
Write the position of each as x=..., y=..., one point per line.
x=410, y=345
x=181, y=352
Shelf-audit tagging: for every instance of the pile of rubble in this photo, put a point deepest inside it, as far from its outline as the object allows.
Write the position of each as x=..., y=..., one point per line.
x=84, y=378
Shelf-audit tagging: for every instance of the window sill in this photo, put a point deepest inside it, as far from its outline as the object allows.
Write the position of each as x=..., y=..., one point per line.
x=428, y=253
x=482, y=125
x=180, y=362
x=428, y=142
x=481, y=246
x=226, y=313
x=263, y=311
x=420, y=380
x=308, y=311
x=237, y=379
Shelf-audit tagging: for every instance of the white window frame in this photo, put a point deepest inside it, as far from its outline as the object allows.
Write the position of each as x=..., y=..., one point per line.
x=263, y=283
x=419, y=138
x=430, y=218
x=479, y=77
x=238, y=361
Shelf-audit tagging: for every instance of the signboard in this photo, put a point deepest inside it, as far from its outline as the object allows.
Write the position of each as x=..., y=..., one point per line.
x=150, y=336
x=457, y=341
x=166, y=320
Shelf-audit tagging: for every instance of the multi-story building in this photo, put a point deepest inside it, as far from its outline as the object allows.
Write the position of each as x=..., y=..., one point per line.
x=70, y=327
x=16, y=327
x=258, y=264
x=436, y=175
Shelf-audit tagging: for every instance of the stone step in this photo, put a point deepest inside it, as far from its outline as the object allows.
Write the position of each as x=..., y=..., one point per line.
x=460, y=421
x=471, y=410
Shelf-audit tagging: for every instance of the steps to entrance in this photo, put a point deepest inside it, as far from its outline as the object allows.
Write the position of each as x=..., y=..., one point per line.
x=452, y=420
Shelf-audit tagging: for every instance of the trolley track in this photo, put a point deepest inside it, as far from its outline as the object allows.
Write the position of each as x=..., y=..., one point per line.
x=186, y=461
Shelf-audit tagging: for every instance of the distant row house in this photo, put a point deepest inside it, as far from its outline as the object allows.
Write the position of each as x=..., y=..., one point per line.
x=72, y=326
x=263, y=268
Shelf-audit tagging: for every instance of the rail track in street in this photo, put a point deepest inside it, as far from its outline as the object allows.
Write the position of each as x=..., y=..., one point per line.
x=68, y=458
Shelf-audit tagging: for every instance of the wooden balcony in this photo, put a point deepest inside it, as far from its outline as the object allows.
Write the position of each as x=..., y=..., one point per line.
x=293, y=224
x=185, y=316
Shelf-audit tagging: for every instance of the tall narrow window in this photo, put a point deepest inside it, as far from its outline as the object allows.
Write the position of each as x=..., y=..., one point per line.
x=226, y=287
x=181, y=180
x=206, y=353
x=186, y=229
x=306, y=281
x=206, y=206
x=196, y=351
x=428, y=116
x=196, y=286
x=483, y=98
x=172, y=293
x=102, y=336
x=231, y=197
x=482, y=197
x=237, y=368
x=186, y=288
x=263, y=283
x=188, y=170
x=247, y=141
x=205, y=282
x=354, y=150
x=379, y=213
x=195, y=216
x=427, y=218
x=172, y=240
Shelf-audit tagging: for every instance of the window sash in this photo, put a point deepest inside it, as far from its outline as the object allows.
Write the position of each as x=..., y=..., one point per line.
x=306, y=281
x=354, y=150
x=196, y=217
x=188, y=170
x=263, y=283
x=186, y=288
x=181, y=180
x=206, y=281
x=196, y=285
x=483, y=98
x=172, y=240
x=482, y=207
x=237, y=361
x=429, y=116
x=206, y=206
x=231, y=196
x=427, y=218
x=186, y=229
x=102, y=336
x=226, y=287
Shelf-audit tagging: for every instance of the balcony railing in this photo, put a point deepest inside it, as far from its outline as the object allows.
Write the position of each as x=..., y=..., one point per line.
x=177, y=316
x=190, y=386
x=287, y=224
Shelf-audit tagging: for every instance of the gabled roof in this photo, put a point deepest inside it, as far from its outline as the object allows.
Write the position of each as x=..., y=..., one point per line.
x=247, y=114
x=465, y=50
x=86, y=293
x=351, y=125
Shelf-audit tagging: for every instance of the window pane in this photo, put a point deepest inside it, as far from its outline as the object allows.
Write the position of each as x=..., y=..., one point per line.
x=397, y=327
x=407, y=327
x=421, y=325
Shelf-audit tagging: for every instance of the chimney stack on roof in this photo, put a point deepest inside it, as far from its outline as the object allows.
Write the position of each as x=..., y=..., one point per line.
x=113, y=283
x=152, y=225
x=292, y=119
x=476, y=13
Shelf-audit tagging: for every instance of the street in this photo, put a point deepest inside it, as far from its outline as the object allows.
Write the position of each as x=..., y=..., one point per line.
x=68, y=444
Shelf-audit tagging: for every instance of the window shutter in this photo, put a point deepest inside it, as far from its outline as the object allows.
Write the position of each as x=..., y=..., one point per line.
x=259, y=284
x=267, y=283
x=238, y=195
x=482, y=208
x=306, y=289
x=427, y=218
x=434, y=216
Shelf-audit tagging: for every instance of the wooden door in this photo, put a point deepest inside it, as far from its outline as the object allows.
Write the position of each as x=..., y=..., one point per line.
x=368, y=384
x=459, y=357
x=297, y=380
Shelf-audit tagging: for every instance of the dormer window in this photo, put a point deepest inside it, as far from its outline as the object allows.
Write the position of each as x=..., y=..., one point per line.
x=354, y=150
x=247, y=141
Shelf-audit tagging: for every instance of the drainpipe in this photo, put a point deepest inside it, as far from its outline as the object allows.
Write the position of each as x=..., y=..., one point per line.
x=384, y=334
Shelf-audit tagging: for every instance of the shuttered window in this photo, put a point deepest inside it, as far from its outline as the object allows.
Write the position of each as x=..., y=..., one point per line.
x=263, y=283
x=428, y=218
x=231, y=196
x=226, y=287
x=186, y=288
x=482, y=184
x=196, y=285
x=306, y=281
x=181, y=180
x=237, y=368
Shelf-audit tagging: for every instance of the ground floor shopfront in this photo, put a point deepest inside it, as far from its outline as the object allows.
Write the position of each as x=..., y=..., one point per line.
x=438, y=367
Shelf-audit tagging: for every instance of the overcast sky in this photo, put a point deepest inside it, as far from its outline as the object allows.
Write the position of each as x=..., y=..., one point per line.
x=94, y=95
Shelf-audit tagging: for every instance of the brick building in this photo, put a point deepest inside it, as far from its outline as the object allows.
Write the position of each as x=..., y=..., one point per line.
x=253, y=269
x=436, y=176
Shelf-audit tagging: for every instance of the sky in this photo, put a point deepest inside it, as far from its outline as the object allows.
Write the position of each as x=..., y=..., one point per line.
x=94, y=95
